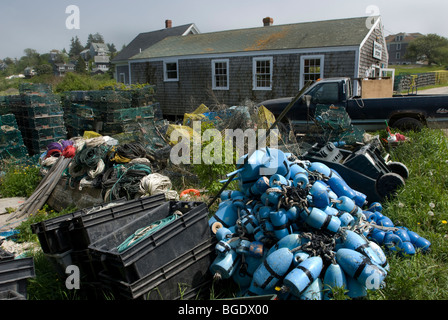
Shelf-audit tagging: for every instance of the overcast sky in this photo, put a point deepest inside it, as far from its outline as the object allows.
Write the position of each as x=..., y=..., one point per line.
x=41, y=25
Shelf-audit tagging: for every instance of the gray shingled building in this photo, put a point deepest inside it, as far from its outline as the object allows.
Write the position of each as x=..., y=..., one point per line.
x=261, y=63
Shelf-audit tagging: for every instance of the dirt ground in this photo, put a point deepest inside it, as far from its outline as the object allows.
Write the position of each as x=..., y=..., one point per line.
x=4, y=215
x=441, y=90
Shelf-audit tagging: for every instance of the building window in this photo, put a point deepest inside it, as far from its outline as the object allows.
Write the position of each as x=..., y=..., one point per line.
x=398, y=46
x=171, y=71
x=397, y=55
x=311, y=68
x=220, y=74
x=262, y=73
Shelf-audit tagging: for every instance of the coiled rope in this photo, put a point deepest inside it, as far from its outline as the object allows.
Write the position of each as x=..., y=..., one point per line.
x=124, y=181
x=128, y=152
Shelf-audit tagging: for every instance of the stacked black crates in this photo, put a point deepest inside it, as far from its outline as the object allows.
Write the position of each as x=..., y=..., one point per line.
x=172, y=263
x=11, y=141
x=39, y=115
x=14, y=275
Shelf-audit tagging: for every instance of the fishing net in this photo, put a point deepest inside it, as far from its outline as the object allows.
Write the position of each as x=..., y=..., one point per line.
x=336, y=125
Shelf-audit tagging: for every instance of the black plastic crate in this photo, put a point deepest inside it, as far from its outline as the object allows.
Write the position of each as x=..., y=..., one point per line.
x=88, y=228
x=76, y=230
x=5, y=255
x=60, y=262
x=157, y=249
x=14, y=274
x=185, y=277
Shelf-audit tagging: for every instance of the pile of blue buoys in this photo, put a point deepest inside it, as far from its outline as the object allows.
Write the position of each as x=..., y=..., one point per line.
x=296, y=229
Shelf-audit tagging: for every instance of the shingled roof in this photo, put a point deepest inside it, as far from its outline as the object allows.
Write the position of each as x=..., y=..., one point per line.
x=148, y=39
x=330, y=33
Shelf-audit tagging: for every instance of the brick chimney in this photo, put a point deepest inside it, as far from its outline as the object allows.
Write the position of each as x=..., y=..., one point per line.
x=268, y=21
x=168, y=24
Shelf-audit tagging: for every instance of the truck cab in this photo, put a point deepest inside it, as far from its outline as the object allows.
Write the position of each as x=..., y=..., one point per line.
x=330, y=91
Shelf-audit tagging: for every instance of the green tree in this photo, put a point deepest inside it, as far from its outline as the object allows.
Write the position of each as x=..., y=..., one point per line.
x=75, y=47
x=43, y=69
x=431, y=48
x=31, y=57
x=94, y=38
x=81, y=66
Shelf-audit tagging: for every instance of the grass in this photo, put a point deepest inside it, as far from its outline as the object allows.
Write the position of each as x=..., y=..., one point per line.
x=421, y=206
x=413, y=69
x=19, y=180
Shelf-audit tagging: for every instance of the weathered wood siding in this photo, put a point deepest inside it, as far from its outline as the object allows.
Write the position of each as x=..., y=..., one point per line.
x=195, y=80
x=122, y=69
x=366, y=59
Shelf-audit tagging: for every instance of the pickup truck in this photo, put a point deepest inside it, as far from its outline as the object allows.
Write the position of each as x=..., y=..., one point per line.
x=403, y=112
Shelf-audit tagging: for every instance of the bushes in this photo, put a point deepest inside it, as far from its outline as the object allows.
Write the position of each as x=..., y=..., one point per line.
x=74, y=82
x=19, y=181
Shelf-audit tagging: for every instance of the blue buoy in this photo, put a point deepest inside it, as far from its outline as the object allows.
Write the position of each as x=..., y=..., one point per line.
x=224, y=265
x=319, y=194
x=314, y=291
x=249, y=223
x=356, y=242
x=297, y=280
x=321, y=168
x=380, y=254
x=318, y=219
x=334, y=277
x=290, y=241
x=269, y=273
x=274, y=194
x=361, y=268
x=226, y=214
x=280, y=222
x=419, y=242
x=259, y=187
x=355, y=289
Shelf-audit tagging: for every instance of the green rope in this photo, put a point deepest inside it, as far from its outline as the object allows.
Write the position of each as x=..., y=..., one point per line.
x=143, y=233
x=128, y=181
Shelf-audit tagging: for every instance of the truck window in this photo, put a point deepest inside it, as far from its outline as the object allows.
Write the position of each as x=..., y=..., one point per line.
x=326, y=93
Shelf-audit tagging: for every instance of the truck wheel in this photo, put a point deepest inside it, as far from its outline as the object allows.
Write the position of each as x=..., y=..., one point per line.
x=388, y=184
x=399, y=168
x=408, y=124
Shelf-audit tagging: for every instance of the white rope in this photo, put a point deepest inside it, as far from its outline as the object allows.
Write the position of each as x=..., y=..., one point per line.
x=85, y=182
x=98, y=170
x=49, y=161
x=156, y=183
x=95, y=142
x=78, y=142
x=144, y=161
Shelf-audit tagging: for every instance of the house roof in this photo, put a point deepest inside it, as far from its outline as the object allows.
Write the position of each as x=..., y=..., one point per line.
x=98, y=46
x=147, y=39
x=101, y=59
x=407, y=37
x=330, y=33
